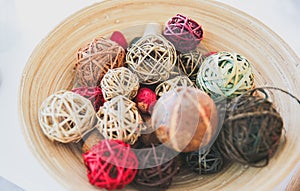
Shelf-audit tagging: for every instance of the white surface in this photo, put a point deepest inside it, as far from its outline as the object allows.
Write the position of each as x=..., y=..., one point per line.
x=23, y=23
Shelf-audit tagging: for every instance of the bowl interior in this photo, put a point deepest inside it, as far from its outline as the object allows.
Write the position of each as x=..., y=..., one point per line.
x=50, y=68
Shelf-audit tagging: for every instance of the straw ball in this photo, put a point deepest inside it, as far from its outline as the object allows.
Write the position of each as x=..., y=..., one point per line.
x=111, y=164
x=94, y=94
x=225, y=75
x=251, y=131
x=119, y=119
x=94, y=60
x=171, y=84
x=151, y=58
x=183, y=32
x=185, y=111
x=66, y=116
x=119, y=81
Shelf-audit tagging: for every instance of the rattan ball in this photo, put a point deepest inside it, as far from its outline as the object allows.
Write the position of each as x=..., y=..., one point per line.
x=119, y=81
x=183, y=32
x=225, y=75
x=185, y=119
x=66, y=116
x=189, y=63
x=95, y=59
x=171, y=84
x=94, y=94
x=111, y=164
x=208, y=162
x=251, y=131
x=90, y=139
x=119, y=119
x=156, y=169
x=151, y=58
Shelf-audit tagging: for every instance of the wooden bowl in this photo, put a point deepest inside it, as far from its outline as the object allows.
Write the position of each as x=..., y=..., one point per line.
x=50, y=68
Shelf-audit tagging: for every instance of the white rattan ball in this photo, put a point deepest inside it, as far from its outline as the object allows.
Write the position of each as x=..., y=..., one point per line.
x=66, y=116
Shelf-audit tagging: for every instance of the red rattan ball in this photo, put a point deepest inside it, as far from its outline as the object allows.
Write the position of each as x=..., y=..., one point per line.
x=145, y=99
x=111, y=164
x=183, y=32
x=94, y=94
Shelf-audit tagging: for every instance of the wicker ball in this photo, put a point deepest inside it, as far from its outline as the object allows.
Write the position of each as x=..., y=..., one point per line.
x=111, y=164
x=156, y=169
x=185, y=111
x=66, y=116
x=171, y=84
x=183, y=32
x=119, y=119
x=225, y=75
x=94, y=60
x=189, y=63
x=151, y=58
x=90, y=139
x=208, y=162
x=94, y=94
x=251, y=131
x=119, y=81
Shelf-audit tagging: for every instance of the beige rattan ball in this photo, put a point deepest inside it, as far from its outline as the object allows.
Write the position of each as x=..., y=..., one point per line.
x=119, y=119
x=119, y=81
x=95, y=59
x=66, y=116
x=173, y=83
x=152, y=59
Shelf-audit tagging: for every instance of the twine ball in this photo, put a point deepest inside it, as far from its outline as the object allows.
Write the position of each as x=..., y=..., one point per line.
x=251, y=131
x=171, y=84
x=145, y=100
x=156, y=169
x=185, y=111
x=189, y=63
x=119, y=119
x=225, y=75
x=94, y=94
x=119, y=81
x=111, y=164
x=183, y=32
x=66, y=116
x=208, y=162
x=94, y=60
x=151, y=58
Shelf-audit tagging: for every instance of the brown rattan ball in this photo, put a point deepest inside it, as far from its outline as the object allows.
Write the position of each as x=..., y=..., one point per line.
x=151, y=58
x=156, y=169
x=189, y=63
x=171, y=84
x=66, y=116
x=119, y=81
x=208, y=162
x=251, y=131
x=95, y=59
x=119, y=119
x=91, y=139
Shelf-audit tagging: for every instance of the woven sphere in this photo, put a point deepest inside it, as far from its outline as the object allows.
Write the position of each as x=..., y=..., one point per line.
x=224, y=75
x=189, y=63
x=111, y=164
x=94, y=94
x=183, y=32
x=119, y=119
x=90, y=139
x=145, y=100
x=66, y=116
x=94, y=60
x=171, y=84
x=208, y=162
x=251, y=131
x=119, y=81
x=185, y=111
x=156, y=170
x=151, y=58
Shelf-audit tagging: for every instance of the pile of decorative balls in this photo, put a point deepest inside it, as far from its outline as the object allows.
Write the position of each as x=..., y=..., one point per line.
x=146, y=110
